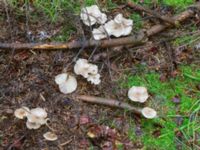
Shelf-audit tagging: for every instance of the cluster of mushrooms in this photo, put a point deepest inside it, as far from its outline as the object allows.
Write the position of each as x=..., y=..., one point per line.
x=117, y=27
x=140, y=94
x=36, y=117
x=67, y=83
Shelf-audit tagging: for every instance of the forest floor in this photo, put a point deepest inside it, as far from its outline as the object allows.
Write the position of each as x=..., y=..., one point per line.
x=168, y=65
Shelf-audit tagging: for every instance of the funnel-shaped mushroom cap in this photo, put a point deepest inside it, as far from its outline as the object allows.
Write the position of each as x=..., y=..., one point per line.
x=22, y=112
x=99, y=33
x=120, y=26
x=138, y=94
x=31, y=125
x=69, y=85
x=149, y=113
x=91, y=15
x=50, y=136
x=37, y=115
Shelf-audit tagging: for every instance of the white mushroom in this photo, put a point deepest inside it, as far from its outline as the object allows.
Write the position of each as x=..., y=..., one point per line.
x=94, y=79
x=99, y=33
x=120, y=26
x=149, y=113
x=50, y=136
x=22, y=112
x=84, y=68
x=31, y=125
x=60, y=78
x=37, y=115
x=87, y=70
x=67, y=83
x=138, y=94
x=81, y=67
x=91, y=15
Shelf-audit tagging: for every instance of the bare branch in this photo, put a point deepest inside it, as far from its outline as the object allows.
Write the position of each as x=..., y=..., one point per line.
x=109, y=102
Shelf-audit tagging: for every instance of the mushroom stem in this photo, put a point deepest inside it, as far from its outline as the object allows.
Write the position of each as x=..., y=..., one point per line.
x=109, y=102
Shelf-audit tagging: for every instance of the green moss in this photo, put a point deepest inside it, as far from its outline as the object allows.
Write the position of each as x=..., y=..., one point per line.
x=178, y=3
x=162, y=94
x=137, y=21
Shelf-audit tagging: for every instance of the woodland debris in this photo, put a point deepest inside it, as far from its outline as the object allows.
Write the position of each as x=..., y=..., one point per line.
x=109, y=102
x=147, y=112
x=133, y=40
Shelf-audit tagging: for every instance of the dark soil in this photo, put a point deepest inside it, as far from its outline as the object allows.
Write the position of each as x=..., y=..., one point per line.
x=27, y=79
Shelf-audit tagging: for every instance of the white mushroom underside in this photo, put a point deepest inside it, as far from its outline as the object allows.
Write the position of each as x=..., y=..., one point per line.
x=68, y=86
x=31, y=125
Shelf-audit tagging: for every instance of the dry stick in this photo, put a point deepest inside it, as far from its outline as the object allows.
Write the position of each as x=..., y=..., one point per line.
x=131, y=40
x=109, y=102
x=155, y=14
x=179, y=18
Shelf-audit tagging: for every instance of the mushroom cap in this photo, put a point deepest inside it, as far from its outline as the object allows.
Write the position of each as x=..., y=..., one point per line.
x=99, y=33
x=34, y=119
x=69, y=85
x=32, y=125
x=120, y=26
x=81, y=67
x=138, y=94
x=22, y=112
x=91, y=15
x=37, y=115
x=149, y=113
x=94, y=79
x=50, y=136
x=61, y=78
x=39, y=112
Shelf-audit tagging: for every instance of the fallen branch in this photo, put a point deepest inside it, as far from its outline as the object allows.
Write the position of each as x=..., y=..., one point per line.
x=134, y=40
x=109, y=102
x=153, y=13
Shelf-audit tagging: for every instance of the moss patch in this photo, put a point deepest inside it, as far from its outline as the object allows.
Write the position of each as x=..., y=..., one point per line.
x=174, y=125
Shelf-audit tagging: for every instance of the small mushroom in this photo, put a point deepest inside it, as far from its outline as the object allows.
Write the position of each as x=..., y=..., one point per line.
x=22, y=112
x=50, y=136
x=84, y=68
x=94, y=79
x=91, y=15
x=149, y=113
x=120, y=26
x=87, y=70
x=138, y=94
x=37, y=115
x=99, y=33
x=32, y=125
x=67, y=83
